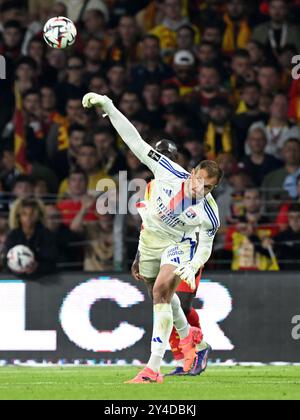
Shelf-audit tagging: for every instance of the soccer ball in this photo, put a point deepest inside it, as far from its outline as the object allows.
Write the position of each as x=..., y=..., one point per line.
x=60, y=32
x=19, y=258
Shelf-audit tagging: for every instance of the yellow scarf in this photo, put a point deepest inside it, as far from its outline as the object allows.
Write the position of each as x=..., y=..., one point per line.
x=210, y=141
x=242, y=108
x=63, y=134
x=230, y=44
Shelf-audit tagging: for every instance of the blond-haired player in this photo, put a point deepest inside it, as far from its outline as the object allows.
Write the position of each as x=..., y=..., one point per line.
x=179, y=226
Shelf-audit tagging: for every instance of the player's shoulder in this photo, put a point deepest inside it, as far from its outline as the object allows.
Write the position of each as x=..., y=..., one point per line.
x=212, y=211
x=170, y=169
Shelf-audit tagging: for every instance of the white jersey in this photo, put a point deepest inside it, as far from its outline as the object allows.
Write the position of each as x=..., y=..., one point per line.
x=169, y=215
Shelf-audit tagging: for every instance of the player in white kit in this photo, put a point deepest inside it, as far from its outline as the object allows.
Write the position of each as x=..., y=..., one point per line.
x=179, y=226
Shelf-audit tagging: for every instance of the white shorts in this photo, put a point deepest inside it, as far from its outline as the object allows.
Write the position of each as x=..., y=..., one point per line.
x=155, y=253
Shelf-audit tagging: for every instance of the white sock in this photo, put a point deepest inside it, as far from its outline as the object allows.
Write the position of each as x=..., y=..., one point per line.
x=180, y=322
x=162, y=328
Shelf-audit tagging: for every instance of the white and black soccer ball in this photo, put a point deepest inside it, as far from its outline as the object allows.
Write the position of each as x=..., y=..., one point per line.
x=19, y=258
x=60, y=32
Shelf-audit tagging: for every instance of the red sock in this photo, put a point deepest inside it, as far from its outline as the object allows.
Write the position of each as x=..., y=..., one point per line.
x=193, y=318
x=194, y=321
x=174, y=343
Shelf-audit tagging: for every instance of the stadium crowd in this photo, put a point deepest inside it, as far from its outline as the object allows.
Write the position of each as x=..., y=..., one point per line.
x=214, y=76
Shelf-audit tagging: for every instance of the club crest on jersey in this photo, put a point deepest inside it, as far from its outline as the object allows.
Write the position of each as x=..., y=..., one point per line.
x=154, y=155
x=191, y=214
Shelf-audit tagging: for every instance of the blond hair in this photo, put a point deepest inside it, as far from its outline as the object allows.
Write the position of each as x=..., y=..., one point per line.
x=14, y=215
x=212, y=168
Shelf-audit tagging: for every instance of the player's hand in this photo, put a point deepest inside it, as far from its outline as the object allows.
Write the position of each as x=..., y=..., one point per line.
x=91, y=100
x=187, y=273
x=135, y=271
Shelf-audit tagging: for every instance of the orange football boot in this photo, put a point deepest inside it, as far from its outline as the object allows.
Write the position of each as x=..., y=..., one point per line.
x=188, y=347
x=147, y=376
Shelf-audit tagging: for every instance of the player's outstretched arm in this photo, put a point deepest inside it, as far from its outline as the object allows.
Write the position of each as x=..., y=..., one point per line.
x=125, y=129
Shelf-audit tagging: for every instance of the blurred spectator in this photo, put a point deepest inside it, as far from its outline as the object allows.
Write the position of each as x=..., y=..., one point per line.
x=173, y=20
x=27, y=224
x=76, y=8
x=99, y=250
x=282, y=218
x=170, y=95
x=33, y=127
x=94, y=22
x=99, y=84
x=230, y=198
x=65, y=160
x=153, y=109
x=12, y=37
x=151, y=16
x=26, y=72
x=186, y=38
x=125, y=48
x=257, y=54
x=73, y=86
x=242, y=72
x=112, y=160
x=57, y=139
x=77, y=198
x=117, y=78
x=287, y=244
x=195, y=149
x=37, y=50
x=278, y=32
x=207, y=54
x=185, y=72
x=40, y=8
x=23, y=187
x=69, y=252
x=93, y=56
x=152, y=68
x=269, y=78
x=8, y=169
x=259, y=164
x=245, y=240
x=209, y=88
x=130, y=104
x=213, y=33
x=237, y=30
x=88, y=162
x=249, y=111
x=278, y=185
x=219, y=136
x=135, y=168
x=278, y=129
x=177, y=121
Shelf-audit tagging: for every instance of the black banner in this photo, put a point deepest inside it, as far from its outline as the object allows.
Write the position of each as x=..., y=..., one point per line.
x=80, y=318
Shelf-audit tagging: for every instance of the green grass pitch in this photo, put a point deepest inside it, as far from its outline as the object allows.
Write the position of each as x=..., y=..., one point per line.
x=84, y=383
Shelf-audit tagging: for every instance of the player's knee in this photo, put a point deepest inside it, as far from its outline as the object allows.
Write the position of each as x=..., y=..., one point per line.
x=161, y=294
